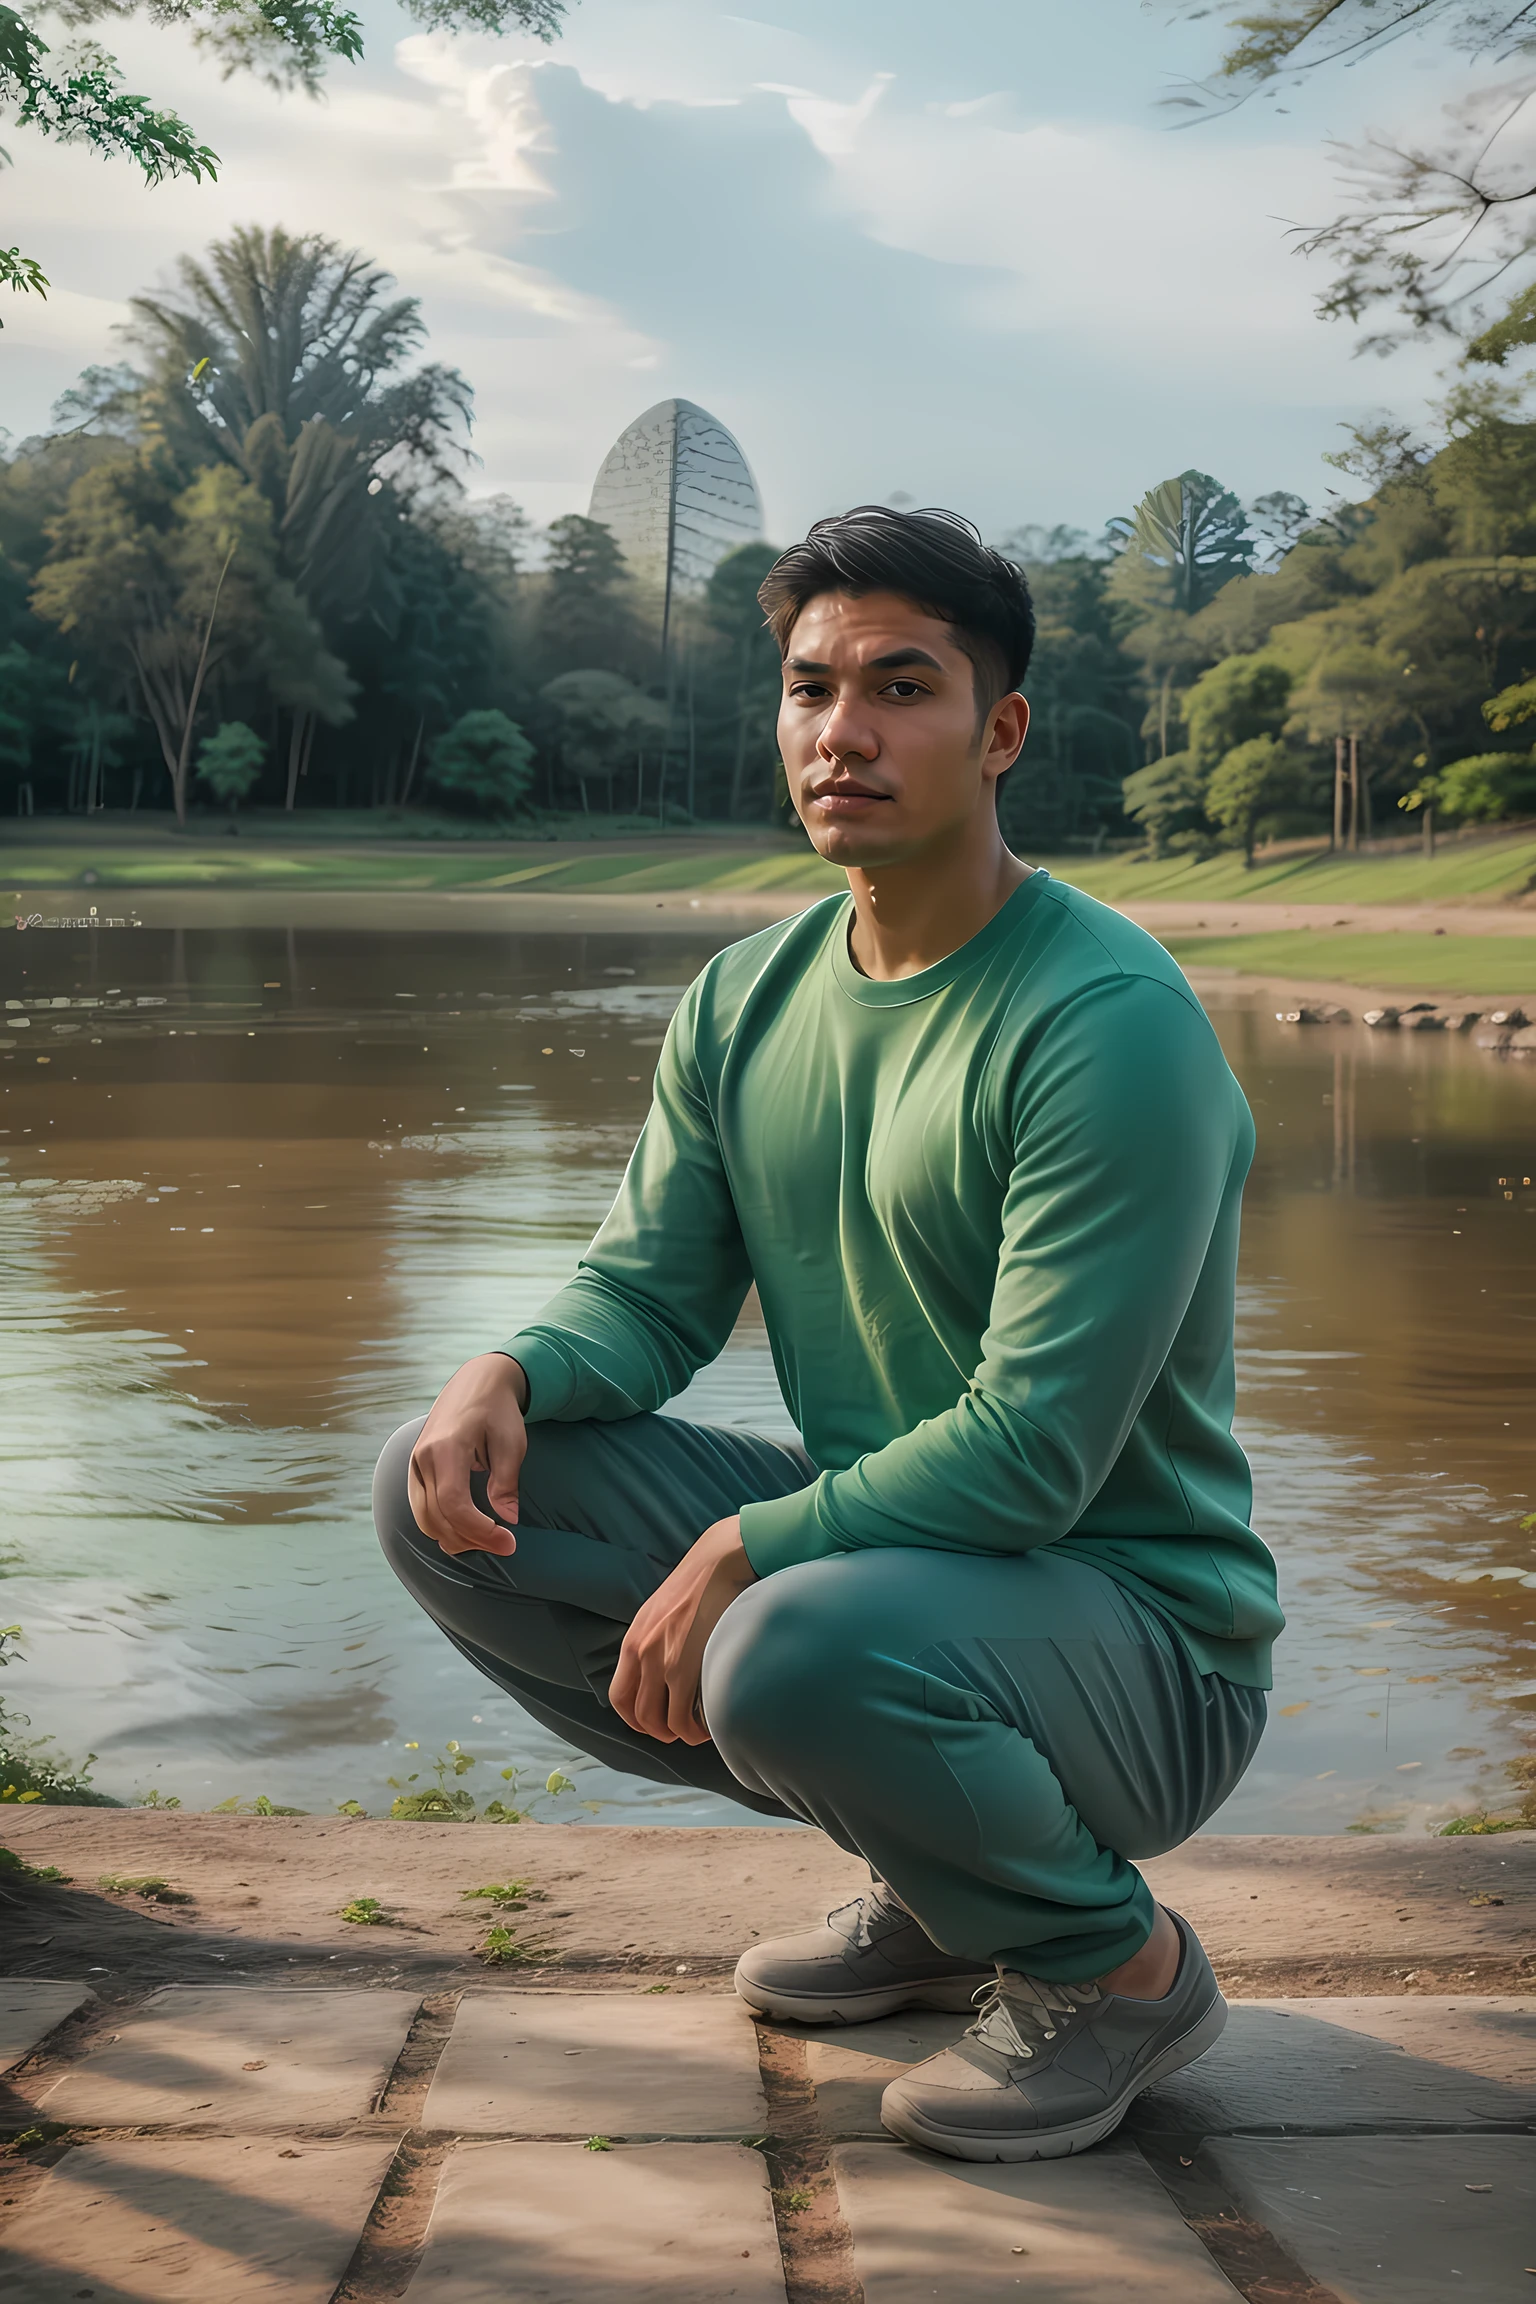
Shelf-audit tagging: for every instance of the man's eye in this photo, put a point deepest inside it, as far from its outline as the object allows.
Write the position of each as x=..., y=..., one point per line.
x=905, y=690
x=810, y=691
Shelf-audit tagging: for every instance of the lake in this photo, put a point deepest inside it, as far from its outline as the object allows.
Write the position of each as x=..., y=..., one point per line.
x=262, y=1189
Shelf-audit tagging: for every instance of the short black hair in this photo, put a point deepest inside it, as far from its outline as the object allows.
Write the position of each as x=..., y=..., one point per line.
x=933, y=558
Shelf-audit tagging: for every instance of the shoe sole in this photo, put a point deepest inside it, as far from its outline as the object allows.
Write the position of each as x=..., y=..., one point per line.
x=954, y=1994
x=1057, y=2143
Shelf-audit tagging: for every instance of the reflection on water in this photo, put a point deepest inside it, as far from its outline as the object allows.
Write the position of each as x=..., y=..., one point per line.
x=261, y=1192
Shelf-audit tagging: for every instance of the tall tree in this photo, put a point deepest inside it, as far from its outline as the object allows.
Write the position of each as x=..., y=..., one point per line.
x=1185, y=541
x=287, y=358
x=179, y=593
x=585, y=620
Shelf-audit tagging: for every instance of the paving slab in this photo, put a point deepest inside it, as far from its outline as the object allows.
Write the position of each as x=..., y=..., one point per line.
x=195, y=2220
x=237, y=2056
x=30, y=2007
x=850, y=2066
x=1371, y=2065
x=597, y=2064
x=1098, y=2229
x=1395, y=2220
x=642, y=2224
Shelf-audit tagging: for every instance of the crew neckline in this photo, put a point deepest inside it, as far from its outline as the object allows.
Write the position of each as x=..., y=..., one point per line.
x=901, y=991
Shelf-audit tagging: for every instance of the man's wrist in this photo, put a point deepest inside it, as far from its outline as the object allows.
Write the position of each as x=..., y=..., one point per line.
x=520, y=1384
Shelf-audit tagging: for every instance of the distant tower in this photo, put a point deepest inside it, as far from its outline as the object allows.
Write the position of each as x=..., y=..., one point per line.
x=678, y=495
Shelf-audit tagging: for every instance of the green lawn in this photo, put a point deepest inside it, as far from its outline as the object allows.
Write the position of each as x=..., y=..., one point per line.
x=193, y=863
x=1486, y=870
x=137, y=856
x=1398, y=962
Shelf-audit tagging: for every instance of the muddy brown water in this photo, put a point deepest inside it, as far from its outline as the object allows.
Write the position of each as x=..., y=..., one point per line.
x=262, y=1190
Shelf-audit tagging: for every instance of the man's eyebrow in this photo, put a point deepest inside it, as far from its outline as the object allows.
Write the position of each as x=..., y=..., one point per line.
x=891, y=663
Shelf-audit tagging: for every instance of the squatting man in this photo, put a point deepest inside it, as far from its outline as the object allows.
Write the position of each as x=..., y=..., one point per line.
x=1001, y=1624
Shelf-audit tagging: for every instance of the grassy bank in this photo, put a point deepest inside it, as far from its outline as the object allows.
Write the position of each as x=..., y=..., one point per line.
x=1474, y=872
x=612, y=857
x=1399, y=962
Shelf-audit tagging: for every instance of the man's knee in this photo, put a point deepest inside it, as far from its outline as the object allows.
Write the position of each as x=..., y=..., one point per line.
x=782, y=1672
x=403, y=1543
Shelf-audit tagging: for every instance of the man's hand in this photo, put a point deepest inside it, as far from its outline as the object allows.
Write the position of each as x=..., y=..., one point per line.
x=656, y=1687
x=476, y=1425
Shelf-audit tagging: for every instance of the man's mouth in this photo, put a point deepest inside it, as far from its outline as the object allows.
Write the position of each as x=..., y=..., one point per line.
x=847, y=797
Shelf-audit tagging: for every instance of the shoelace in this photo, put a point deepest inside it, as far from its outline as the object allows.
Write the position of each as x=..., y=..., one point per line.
x=1014, y=2006
x=871, y=1916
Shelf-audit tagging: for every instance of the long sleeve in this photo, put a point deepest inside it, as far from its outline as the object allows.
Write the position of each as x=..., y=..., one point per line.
x=657, y=1293
x=1128, y=1136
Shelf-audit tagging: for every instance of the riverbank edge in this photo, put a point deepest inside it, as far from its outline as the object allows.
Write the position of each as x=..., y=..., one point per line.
x=467, y=911
x=1279, y=1914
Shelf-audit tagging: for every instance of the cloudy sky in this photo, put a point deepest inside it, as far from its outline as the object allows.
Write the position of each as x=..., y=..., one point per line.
x=956, y=251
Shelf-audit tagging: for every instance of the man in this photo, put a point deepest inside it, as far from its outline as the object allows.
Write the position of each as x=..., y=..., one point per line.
x=1001, y=1624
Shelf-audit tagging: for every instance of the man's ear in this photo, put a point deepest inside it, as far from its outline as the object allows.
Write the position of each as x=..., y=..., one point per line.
x=1008, y=725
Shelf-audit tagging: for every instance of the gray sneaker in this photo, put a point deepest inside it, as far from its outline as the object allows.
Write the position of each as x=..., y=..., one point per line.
x=869, y=1959
x=1049, y=2069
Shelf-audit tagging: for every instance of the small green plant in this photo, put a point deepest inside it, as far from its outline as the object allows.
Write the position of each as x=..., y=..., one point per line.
x=513, y=1892
x=447, y=1801
x=20, y=1869
x=350, y=1808
x=260, y=1806
x=365, y=1912
x=1522, y=1774
x=504, y=1948
x=788, y=2197
x=31, y=1771
x=41, y=2132
x=146, y=1884
x=155, y=1798
x=658, y=1987
x=598, y=2144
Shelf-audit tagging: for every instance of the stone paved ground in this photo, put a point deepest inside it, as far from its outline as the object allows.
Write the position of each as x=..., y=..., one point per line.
x=388, y=2122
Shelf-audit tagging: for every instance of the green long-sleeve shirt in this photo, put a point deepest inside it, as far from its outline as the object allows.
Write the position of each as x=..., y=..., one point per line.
x=992, y=1215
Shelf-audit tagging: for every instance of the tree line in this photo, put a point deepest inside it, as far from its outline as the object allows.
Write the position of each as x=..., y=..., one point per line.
x=245, y=568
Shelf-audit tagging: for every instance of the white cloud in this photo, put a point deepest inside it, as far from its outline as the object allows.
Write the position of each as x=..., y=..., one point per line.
x=890, y=253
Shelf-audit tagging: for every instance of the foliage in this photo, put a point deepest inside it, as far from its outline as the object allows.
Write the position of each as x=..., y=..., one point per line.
x=1251, y=780
x=513, y=1892
x=149, y=1885
x=82, y=101
x=17, y=1868
x=1167, y=799
x=503, y=1948
x=175, y=589
x=260, y=1806
x=1426, y=230
x=603, y=725
x=485, y=756
x=1186, y=538
x=586, y=616
x=286, y=43
x=1487, y=788
x=365, y=1912
x=443, y=1802
x=31, y=1772
x=229, y=762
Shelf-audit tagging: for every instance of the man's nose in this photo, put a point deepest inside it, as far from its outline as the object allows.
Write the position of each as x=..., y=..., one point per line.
x=846, y=733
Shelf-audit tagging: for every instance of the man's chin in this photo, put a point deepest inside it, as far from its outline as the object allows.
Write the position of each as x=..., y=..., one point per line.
x=855, y=847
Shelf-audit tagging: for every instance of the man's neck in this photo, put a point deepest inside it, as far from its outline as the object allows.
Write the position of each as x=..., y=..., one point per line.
x=910, y=916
